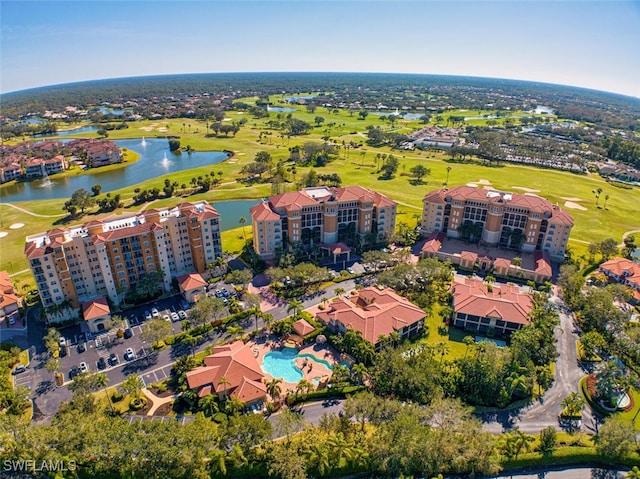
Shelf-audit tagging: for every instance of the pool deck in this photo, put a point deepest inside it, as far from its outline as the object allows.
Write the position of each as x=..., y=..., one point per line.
x=312, y=370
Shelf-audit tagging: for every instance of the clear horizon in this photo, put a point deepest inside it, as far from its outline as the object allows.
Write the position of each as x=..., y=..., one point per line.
x=582, y=44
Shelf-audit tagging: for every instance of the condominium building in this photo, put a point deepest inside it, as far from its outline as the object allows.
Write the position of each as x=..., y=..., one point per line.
x=321, y=216
x=107, y=258
x=524, y=222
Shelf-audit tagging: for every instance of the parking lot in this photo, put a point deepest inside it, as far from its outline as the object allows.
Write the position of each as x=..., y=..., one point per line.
x=95, y=350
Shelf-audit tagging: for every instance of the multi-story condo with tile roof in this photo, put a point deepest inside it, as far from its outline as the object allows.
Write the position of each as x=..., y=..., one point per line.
x=106, y=258
x=525, y=222
x=321, y=216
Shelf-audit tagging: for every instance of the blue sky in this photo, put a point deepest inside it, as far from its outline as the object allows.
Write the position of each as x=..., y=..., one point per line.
x=593, y=44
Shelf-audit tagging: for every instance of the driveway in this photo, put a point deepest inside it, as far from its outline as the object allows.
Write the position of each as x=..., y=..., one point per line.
x=545, y=411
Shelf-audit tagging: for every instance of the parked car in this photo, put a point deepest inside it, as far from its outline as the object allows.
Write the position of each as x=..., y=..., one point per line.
x=113, y=359
x=175, y=317
x=155, y=313
x=147, y=315
x=20, y=368
x=83, y=367
x=166, y=317
x=129, y=355
x=128, y=333
x=63, y=352
x=73, y=372
x=350, y=271
x=182, y=314
x=226, y=293
x=63, y=342
x=81, y=348
x=102, y=363
x=12, y=320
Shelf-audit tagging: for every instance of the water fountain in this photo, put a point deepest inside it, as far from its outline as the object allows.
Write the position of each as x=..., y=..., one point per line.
x=46, y=182
x=165, y=162
x=143, y=143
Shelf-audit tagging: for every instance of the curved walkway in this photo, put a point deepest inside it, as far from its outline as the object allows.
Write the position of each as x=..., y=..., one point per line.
x=34, y=214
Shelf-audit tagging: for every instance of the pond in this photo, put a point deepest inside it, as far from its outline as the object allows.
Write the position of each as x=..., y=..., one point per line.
x=155, y=160
x=406, y=116
x=231, y=212
x=280, y=109
x=75, y=131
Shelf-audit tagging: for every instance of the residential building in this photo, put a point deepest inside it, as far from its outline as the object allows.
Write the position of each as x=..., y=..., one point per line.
x=489, y=309
x=230, y=371
x=321, y=216
x=10, y=302
x=108, y=257
x=375, y=313
x=192, y=287
x=96, y=153
x=55, y=165
x=10, y=172
x=35, y=168
x=624, y=271
x=526, y=223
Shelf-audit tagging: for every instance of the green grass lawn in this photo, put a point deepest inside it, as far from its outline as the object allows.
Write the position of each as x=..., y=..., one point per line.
x=439, y=332
x=359, y=168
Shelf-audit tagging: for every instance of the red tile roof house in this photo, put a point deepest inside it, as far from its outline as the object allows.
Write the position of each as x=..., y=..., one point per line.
x=624, y=271
x=483, y=309
x=10, y=302
x=96, y=313
x=232, y=370
x=374, y=313
x=192, y=286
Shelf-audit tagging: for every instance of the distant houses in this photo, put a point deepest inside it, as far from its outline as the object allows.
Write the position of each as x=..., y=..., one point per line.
x=10, y=302
x=36, y=160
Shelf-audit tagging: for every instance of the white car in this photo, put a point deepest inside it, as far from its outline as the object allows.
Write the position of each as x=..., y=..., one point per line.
x=182, y=314
x=175, y=317
x=129, y=355
x=83, y=367
x=63, y=342
x=155, y=313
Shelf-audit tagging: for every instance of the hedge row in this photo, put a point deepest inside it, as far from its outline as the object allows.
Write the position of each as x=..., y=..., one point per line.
x=568, y=455
x=198, y=332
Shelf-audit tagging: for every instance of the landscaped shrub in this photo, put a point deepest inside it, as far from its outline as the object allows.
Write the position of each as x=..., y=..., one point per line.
x=116, y=397
x=137, y=403
x=219, y=417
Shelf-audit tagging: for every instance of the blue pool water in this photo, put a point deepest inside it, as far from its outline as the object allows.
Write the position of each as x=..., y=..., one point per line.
x=281, y=364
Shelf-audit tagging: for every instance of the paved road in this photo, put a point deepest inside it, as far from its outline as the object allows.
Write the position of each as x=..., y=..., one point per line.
x=545, y=412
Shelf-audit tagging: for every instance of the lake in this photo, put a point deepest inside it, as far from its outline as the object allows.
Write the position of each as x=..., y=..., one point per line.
x=232, y=211
x=406, y=116
x=155, y=160
x=280, y=109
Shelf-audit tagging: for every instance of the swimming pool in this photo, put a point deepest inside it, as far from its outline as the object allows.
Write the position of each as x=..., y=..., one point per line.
x=281, y=364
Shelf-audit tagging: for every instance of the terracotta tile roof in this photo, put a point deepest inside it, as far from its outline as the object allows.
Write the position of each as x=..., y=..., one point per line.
x=250, y=390
x=302, y=327
x=191, y=281
x=543, y=263
x=262, y=212
x=505, y=302
x=373, y=312
x=335, y=248
x=292, y=200
x=434, y=242
x=95, y=309
x=8, y=294
x=528, y=201
x=469, y=255
x=501, y=263
x=623, y=267
x=233, y=361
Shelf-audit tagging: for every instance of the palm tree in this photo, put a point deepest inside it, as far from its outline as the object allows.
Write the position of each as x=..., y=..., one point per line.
x=132, y=385
x=209, y=404
x=606, y=198
x=443, y=349
x=573, y=404
x=340, y=291
x=522, y=441
x=360, y=373
x=448, y=170
x=468, y=341
x=273, y=388
x=395, y=337
x=224, y=382
x=235, y=332
x=243, y=221
x=296, y=307
x=304, y=386
x=101, y=381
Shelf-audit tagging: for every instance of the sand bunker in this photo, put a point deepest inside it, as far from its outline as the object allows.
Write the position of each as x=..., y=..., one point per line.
x=574, y=206
x=3, y=234
x=484, y=182
x=528, y=190
x=16, y=226
x=162, y=128
x=571, y=199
